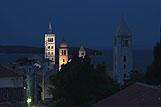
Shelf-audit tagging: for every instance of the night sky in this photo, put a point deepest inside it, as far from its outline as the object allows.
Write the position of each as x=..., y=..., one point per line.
x=88, y=22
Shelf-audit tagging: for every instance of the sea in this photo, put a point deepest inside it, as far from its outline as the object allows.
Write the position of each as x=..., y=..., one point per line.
x=142, y=58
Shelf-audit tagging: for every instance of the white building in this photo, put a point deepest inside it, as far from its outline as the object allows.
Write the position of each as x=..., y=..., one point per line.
x=50, y=44
x=82, y=52
x=122, y=53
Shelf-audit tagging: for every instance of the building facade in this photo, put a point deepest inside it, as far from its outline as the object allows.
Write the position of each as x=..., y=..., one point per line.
x=50, y=44
x=12, y=90
x=122, y=53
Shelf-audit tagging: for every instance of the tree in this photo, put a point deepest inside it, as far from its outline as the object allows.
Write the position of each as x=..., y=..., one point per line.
x=80, y=83
x=136, y=76
x=153, y=74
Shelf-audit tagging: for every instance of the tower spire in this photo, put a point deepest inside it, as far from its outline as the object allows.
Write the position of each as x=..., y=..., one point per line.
x=122, y=28
x=50, y=30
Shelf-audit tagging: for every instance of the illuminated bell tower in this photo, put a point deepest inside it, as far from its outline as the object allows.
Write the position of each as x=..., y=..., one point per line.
x=50, y=44
x=63, y=53
x=82, y=52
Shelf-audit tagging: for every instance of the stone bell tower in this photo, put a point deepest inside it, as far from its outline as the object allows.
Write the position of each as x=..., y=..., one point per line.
x=50, y=44
x=63, y=53
x=122, y=53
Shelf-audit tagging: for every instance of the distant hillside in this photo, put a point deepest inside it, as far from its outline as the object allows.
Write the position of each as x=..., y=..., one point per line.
x=36, y=50
x=142, y=57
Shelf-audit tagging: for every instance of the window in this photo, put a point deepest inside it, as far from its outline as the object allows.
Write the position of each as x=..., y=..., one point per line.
x=48, y=53
x=51, y=53
x=82, y=53
x=64, y=52
x=124, y=75
x=124, y=58
x=124, y=66
x=48, y=47
x=63, y=60
x=126, y=43
x=52, y=47
x=50, y=39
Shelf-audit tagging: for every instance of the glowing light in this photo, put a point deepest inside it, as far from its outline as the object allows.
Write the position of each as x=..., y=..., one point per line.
x=29, y=100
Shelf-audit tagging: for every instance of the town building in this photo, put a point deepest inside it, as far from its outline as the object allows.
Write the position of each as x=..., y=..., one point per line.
x=12, y=88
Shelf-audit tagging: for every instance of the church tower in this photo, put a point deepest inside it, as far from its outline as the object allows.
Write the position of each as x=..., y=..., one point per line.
x=50, y=44
x=122, y=53
x=63, y=53
x=82, y=52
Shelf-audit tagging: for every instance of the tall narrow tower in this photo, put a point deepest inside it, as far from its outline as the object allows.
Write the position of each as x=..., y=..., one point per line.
x=82, y=52
x=63, y=53
x=50, y=44
x=122, y=53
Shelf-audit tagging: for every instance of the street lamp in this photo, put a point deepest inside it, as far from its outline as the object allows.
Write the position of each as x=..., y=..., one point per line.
x=29, y=101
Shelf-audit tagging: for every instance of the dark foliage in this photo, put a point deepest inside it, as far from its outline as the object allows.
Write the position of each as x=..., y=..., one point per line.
x=136, y=76
x=153, y=74
x=79, y=83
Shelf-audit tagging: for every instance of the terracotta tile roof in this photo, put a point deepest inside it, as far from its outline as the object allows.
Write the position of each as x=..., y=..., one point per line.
x=136, y=95
x=7, y=72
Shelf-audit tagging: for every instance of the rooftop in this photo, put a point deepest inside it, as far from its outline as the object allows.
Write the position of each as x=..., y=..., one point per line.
x=136, y=95
x=7, y=72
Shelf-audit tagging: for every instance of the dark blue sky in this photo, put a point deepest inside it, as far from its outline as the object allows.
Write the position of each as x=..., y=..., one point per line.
x=24, y=22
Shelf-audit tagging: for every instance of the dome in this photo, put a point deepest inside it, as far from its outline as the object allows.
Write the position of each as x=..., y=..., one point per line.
x=63, y=45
